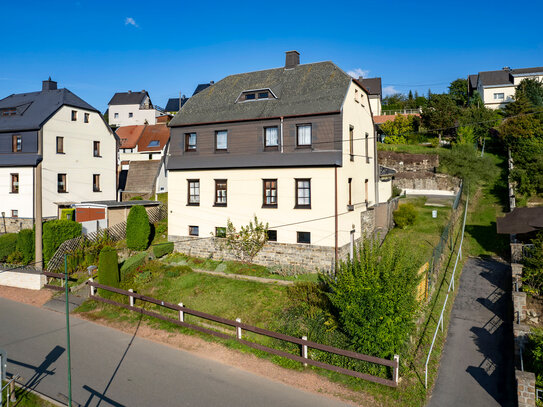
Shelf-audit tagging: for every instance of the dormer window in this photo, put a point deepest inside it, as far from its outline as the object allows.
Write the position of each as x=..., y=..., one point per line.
x=10, y=111
x=154, y=143
x=255, y=94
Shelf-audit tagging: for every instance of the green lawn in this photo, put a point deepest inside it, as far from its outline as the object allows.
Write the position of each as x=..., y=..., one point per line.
x=26, y=399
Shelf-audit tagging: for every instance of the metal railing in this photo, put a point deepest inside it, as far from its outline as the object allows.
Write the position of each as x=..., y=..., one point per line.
x=401, y=111
x=239, y=327
x=10, y=393
x=440, y=322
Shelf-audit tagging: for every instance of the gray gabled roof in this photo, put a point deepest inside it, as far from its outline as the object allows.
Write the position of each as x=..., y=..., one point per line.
x=372, y=85
x=128, y=98
x=35, y=108
x=201, y=87
x=490, y=78
x=473, y=81
x=173, y=104
x=305, y=89
x=527, y=71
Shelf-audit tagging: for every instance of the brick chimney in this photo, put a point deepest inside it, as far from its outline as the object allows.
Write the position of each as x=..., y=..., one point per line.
x=292, y=59
x=48, y=85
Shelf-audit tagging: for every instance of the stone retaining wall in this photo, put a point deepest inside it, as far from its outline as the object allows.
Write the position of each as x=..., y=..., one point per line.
x=408, y=162
x=525, y=388
x=15, y=225
x=426, y=181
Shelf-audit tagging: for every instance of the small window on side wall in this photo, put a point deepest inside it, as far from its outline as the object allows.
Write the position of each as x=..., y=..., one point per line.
x=303, y=193
x=193, y=192
x=96, y=148
x=14, y=213
x=15, y=183
x=271, y=235
x=190, y=141
x=74, y=115
x=220, y=231
x=96, y=183
x=271, y=138
x=303, y=237
x=194, y=231
x=60, y=145
x=86, y=118
x=220, y=192
x=221, y=140
x=16, y=143
x=61, y=183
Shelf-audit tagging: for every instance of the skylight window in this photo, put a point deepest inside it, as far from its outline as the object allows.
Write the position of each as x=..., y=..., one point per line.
x=154, y=143
x=10, y=111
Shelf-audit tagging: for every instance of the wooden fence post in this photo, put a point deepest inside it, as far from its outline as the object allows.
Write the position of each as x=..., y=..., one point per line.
x=131, y=297
x=181, y=313
x=238, y=329
x=396, y=373
x=304, y=350
x=92, y=292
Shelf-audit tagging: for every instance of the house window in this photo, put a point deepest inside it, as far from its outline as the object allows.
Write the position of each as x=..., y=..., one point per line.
x=194, y=231
x=61, y=183
x=60, y=145
x=9, y=111
x=350, y=191
x=271, y=235
x=303, y=135
x=366, y=143
x=154, y=143
x=220, y=232
x=190, y=141
x=86, y=118
x=221, y=140
x=74, y=115
x=16, y=143
x=130, y=114
x=193, y=192
x=220, y=192
x=270, y=193
x=271, y=137
x=303, y=237
x=356, y=95
x=303, y=193
x=95, y=182
x=499, y=96
x=263, y=95
x=14, y=183
x=96, y=148
x=14, y=213
x=366, y=190
x=115, y=115
x=351, y=142
x=250, y=96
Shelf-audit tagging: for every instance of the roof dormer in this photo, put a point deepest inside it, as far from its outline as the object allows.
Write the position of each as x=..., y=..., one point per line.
x=255, y=94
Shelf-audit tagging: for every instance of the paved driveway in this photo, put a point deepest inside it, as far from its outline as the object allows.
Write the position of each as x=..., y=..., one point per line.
x=477, y=364
x=112, y=368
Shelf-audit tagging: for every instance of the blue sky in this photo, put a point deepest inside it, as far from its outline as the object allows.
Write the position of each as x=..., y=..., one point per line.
x=97, y=48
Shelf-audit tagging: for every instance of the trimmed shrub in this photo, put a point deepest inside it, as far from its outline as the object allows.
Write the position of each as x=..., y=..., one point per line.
x=25, y=245
x=67, y=214
x=55, y=232
x=8, y=244
x=405, y=215
x=108, y=270
x=132, y=263
x=162, y=249
x=137, y=228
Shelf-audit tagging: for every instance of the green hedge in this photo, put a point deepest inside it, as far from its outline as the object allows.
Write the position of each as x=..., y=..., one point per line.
x=108, y=270
x=132, y=263
x=8, y=244
x=138, y=228
x=405, y=215
x=162, y=249
x=55, y=232
x=67, y=214
x=25, y=245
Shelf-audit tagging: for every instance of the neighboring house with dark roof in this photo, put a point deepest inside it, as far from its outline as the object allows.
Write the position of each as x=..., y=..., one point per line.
x=201, y=87
x=174, y=104
x=375, y=91
x=55, y=145
x=497, y=88
x=293, y=145
x=131, y=108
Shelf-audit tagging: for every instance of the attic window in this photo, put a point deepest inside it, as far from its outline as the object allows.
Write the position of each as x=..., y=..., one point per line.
x=10, y=111
x=154, y=143
x=256, y=94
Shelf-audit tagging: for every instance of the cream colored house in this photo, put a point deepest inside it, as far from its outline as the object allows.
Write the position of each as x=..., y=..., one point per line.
x=131, y=108
x=293, y=145
x=497, y=88
x=55, y=149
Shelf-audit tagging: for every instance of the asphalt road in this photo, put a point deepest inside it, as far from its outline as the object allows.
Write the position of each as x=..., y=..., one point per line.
x=112, y=368
x=476, y=367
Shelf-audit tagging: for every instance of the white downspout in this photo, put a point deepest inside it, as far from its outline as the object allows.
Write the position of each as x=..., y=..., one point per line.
x=281, y=134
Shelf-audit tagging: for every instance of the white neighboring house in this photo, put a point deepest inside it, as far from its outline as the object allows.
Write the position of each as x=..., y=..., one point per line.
x=497, y=88
x=131, y=108
x=54, y=145
x=375, y=93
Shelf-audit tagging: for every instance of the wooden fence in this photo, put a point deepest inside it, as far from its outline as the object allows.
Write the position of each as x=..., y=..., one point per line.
x=239, y=327
x=116, y=232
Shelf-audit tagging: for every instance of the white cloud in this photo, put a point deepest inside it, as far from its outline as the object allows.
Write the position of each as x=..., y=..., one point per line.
x=390, y=90
x=130, y=21
x=358, y=72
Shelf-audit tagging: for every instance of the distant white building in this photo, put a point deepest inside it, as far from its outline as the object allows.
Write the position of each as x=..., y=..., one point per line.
x=131, y=108
x=375, y=93
x=497, y=88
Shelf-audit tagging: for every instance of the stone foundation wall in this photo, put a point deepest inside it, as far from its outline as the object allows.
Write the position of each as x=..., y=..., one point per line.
x=408, y=162
x=525, y=388
x=15, y=225
x=426, y=181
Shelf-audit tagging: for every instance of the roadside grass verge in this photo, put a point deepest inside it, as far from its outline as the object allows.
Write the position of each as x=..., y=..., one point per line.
x=25, y=398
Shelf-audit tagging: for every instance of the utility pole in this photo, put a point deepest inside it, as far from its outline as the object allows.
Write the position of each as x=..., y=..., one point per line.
x=68, y=330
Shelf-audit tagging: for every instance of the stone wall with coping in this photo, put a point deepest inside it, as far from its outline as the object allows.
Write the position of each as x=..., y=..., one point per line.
x=426, y=181
x=516, y=252
x=519, y=306
x=408, y=162
x=525, y=388
x=15, y=225
x=32, y=280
